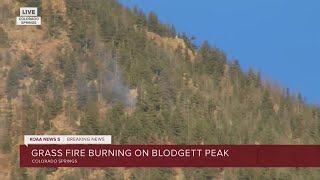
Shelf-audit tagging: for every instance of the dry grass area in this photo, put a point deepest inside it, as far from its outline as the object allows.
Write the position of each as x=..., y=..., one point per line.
x=32, y=41
x=60, y=173
x=62, y=125
x=171, y=43
x=178, y=174
x=35, y=42
x=58, y=5
x=4, y=166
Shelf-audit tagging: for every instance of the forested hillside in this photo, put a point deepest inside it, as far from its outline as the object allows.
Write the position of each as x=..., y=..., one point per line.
x=95, y=67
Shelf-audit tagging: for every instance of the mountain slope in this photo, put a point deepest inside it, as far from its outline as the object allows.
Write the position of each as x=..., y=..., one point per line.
x=94, y=68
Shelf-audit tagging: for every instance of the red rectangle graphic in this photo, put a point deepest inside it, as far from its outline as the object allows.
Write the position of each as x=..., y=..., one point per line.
x=170, y=156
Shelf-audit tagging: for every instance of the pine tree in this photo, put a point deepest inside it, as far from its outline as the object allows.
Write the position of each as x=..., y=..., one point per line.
x=266, y=106
x=69, y=72
x=153, y=23
x=7, y=142
x=4, y=41
x=30, y=122
x=82, y=90
x=89, y=123
x=17, y=172
x=12, y=84
x=204, y=50
x=92, y=72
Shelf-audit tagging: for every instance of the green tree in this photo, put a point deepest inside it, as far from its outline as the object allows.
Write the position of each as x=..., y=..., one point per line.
x=12, y=84
x=82, y=90
x=266, y=106
x=153, y=22
x=30, y=121
x=26, y=61
x=69, y=72
x=17, y=172
x=204, y=50
x=89, y=123
x=44, y=82
x=7, y=142
x=4, y=41
x=92, y=72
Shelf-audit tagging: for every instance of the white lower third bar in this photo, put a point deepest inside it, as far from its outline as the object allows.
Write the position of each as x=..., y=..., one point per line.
x=67, y=139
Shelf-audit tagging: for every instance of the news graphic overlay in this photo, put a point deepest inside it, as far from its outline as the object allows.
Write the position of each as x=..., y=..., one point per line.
x=28, y=17
x=67, y=139
x=97, y=155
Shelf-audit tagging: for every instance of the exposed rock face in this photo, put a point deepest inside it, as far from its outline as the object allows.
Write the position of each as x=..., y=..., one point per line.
x=172, y=44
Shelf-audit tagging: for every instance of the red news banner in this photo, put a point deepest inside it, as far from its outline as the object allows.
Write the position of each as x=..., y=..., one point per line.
x=170, y=156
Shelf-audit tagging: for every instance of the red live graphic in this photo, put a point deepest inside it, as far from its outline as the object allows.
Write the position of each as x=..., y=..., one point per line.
x=170, y=156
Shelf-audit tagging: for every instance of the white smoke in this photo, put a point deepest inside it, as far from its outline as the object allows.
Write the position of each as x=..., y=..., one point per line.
x=113, y=88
